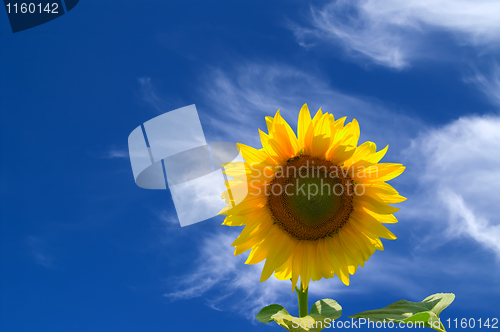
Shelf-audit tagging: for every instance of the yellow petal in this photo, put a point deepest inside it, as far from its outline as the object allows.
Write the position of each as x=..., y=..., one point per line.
x=372, y=204
x=378, y=173
x=269, y=124
x=373, y=226
x=252, y=155
x=303, y=124
x=284, y=248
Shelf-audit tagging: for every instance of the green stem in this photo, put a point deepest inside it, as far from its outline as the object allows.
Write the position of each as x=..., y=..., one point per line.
x=302, y=297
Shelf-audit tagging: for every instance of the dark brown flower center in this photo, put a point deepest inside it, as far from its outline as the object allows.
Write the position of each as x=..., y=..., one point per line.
x=310, y=198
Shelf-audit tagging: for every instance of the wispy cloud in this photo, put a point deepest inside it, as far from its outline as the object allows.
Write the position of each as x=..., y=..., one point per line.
x=393, y=33
x=457, y=168
x=226, y=282
x=149, y=95
x=116, y=153
x=241, y=96
x=466, y=222
x=160, y=102
x=488, y=84
x=168, y=218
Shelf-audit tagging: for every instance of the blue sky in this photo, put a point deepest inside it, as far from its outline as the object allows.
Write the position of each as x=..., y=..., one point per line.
x=84, y=249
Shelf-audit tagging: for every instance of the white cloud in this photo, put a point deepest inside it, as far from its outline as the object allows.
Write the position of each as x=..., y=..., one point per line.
x=489, y=84
x=470, y=223
x=219, y=270
x=228, y=284
x=459, y=176
x=392, y=33
x=149, y=95
x=167, y=218
x=241, y=97
x=116, y=153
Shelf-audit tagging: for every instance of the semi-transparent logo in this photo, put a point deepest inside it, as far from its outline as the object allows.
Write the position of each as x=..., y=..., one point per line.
x=171, y=150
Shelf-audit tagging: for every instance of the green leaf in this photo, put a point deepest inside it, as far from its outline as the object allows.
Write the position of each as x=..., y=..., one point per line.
x=404, y=311
x=323, y=313
x=266, y=314
x=327, y=308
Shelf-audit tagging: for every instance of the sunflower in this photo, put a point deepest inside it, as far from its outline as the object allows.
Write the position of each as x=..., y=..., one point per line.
x=312, y=204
